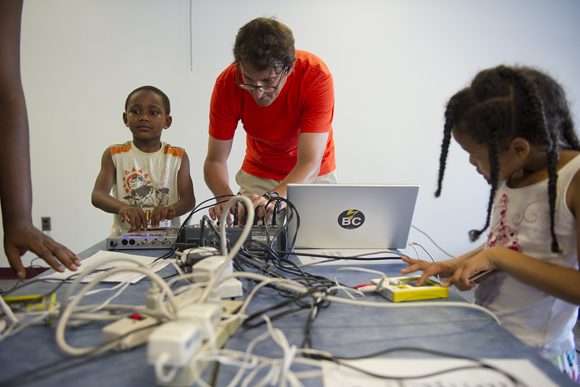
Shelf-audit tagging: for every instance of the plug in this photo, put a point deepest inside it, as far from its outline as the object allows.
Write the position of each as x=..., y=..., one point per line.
x=153, y=298
x=180, y=339
x=207, y=315
x=209, y=266
x=171, y=347
x=231, y=288
x=195, y=255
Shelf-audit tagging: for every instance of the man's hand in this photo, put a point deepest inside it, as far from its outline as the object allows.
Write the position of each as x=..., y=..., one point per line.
x=261, y=202
x=22, y=237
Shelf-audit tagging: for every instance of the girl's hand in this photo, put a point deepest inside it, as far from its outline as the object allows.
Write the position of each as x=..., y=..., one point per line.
x=480, y=262
x=429, y=269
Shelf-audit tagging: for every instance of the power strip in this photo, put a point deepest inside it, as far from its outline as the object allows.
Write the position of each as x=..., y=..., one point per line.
x=134, y=330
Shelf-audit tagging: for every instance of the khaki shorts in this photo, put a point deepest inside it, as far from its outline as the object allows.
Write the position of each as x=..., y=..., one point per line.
x=250, y=184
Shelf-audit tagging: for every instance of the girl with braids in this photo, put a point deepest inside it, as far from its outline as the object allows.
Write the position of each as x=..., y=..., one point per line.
x=515, y=124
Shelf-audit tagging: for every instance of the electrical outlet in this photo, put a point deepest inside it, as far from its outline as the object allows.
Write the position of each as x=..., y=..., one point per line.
x=45, y=223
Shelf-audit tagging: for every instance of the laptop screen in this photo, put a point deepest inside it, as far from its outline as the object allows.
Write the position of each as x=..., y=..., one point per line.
x=367, y=216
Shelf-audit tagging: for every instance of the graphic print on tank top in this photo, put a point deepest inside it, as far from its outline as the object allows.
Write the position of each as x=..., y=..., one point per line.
x=144, y=193
x=500, y=235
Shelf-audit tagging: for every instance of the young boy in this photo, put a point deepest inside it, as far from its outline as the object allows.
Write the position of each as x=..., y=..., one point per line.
x=150, y=179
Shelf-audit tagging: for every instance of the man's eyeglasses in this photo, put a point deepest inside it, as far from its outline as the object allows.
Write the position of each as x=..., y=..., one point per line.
x=265, y=89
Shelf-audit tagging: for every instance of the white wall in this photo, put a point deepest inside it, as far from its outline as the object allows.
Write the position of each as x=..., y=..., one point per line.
x=395, y=64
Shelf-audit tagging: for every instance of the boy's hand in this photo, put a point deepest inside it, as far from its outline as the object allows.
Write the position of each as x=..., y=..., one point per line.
x=135, y=216
x=22, y=237
x=160, y=214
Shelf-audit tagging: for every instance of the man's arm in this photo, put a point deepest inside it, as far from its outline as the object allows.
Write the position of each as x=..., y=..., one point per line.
x=311, y=147
x=215, y=172
x=20, y=234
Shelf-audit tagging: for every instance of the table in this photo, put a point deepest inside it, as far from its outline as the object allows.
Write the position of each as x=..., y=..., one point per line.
x=343, y=330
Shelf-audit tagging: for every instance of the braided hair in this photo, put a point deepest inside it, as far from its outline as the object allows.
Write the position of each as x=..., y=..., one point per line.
x=501, y=104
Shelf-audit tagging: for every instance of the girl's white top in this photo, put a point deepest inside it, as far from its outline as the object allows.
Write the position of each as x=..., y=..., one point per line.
x=521, y=221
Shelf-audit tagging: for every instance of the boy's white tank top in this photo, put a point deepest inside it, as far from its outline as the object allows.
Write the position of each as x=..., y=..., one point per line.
x=145, y=180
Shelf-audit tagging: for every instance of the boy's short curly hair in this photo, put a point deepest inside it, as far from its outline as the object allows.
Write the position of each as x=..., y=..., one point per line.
x=263, y=44
x=161, y=94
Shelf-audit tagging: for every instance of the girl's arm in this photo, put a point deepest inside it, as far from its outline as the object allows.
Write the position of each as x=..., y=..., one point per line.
x=559, y=281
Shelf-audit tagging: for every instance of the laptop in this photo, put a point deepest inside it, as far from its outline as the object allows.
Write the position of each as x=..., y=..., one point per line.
x=352, y=216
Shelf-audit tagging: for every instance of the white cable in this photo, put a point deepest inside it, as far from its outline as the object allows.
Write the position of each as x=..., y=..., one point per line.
x=415, y=304
x=123, y=286
x=289, y=351
x=347, y=290
x=79, y=277
x=424, y=249
x=278, y=373
x=15, y=328
x=65, y=314
x=291, y=285
x=237, y=246
x=414, y=249
x=8, y=312
x=99, y=290
x=159, y=372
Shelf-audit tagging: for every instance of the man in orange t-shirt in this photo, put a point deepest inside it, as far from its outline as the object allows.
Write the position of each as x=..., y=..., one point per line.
x=285, y=101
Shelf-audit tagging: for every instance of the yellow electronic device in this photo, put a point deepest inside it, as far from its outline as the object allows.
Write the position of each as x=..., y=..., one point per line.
x=404, y=289
x=23, y=304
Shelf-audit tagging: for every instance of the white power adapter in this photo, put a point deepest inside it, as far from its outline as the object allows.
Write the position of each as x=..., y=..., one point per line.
x=207, y=315
x=232, y=287
x=171, y=347
x=180, y=339
x=207, y=268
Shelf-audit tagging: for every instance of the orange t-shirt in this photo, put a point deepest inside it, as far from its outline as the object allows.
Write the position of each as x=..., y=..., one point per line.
x=304, y=105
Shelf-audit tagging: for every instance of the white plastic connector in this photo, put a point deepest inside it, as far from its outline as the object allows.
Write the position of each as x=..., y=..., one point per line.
x=231, y=288
x=204, y=251
x=154, y=297
x=141, y=326
x=208, y=267
x=171, y=347
x=207, y=315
